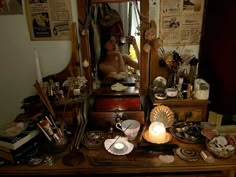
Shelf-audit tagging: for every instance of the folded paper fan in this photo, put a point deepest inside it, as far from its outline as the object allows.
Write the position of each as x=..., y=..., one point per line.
x=162, y=113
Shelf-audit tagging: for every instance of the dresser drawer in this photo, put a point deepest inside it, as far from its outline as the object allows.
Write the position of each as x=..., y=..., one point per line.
x=118, y=103
x=187, y=113
x=104, y=120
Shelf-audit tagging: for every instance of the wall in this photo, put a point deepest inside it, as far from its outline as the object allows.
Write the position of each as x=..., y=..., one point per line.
x=17, y=61
x=154, y=10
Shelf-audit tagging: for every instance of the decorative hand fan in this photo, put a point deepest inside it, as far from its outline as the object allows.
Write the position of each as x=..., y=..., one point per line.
x=162, y=114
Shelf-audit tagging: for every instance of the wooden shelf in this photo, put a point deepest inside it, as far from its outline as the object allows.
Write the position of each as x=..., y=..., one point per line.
x=190, y=109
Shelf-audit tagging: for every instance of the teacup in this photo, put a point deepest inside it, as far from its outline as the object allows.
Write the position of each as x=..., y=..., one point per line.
x=129, y=127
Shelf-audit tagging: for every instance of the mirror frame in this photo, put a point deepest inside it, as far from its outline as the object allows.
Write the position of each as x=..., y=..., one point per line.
x=84, y=42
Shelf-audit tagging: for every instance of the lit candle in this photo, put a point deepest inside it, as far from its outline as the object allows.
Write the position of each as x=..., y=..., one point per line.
x=119, y=146
x=157, y=132
x=39, y=76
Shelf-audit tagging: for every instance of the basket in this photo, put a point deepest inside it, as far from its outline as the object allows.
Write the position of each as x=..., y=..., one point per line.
x=220, y=151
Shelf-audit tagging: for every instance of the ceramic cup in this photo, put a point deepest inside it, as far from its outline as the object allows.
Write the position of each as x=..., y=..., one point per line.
x=133, y=128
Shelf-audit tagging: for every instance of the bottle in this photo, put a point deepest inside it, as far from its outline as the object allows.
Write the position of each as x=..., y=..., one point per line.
x=137, y=79
x=184, y=88
x=94, y=82
x=110, y=133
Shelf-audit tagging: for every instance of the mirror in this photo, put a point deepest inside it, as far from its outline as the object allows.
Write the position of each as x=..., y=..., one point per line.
x=114, y=42
x=86, y=15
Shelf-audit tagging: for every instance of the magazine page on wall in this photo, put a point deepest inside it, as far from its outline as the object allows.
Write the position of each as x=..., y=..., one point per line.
x=49, y=20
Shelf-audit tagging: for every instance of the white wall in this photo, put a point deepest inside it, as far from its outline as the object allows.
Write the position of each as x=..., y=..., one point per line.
x=17, y=61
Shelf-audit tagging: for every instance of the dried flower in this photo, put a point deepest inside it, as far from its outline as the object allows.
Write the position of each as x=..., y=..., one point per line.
x=75, y=82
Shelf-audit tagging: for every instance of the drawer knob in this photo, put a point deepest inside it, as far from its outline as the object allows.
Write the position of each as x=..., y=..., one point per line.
x=118, y=115
x=176, y=116
x=187, y=115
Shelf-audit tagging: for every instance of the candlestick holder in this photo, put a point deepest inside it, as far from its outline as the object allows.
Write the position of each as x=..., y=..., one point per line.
x=157, y=134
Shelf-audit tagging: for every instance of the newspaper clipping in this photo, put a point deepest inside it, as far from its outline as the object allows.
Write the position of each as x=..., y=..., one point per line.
x=49, y=19
x=181, y=21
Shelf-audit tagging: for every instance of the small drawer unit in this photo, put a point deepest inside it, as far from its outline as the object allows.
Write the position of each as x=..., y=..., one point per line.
x=185, y=109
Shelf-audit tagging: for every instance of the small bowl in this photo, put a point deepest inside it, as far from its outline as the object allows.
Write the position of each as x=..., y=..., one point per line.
x=160, y=96
x=193, y=133
x=190, y=137
x=181, y=127
x=171, y=92
x=94, y=139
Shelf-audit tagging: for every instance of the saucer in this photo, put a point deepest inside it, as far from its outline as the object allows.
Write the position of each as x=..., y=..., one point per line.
x=187, y=154
x=160, y=96
x=127, y=147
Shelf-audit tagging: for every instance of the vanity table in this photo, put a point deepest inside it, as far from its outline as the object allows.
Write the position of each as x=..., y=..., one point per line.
x=106, y=106
x=101, y=163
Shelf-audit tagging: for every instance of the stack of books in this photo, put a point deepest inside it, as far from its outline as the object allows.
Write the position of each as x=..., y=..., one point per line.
x=15, y=148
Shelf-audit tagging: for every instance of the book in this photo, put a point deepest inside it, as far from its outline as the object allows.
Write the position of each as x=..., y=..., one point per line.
x=14, y=142
x=23, y=153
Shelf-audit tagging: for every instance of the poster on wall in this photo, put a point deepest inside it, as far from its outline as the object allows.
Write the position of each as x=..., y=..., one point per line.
x=11, y=7
x=49, y=19
x=181, y=21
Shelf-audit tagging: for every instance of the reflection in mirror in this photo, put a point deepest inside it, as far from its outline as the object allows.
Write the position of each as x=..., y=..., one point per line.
x=114, y=41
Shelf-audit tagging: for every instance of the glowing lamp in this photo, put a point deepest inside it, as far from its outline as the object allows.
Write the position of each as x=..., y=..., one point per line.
x=157, y=132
